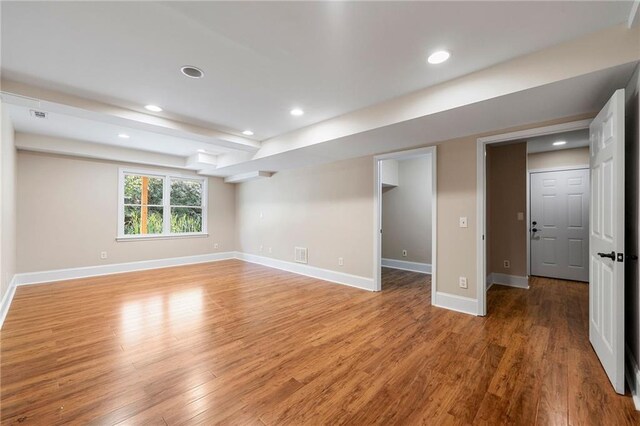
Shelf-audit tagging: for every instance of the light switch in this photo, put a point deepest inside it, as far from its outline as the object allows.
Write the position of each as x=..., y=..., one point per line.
x=463, y=222
x=520, y=216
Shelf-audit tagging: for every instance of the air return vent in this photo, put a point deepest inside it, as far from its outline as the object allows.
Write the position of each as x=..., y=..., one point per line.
x=38, y=114
x=301, y=254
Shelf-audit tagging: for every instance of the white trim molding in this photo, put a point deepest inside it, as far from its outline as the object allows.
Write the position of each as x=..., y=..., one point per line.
x=6, y=300
x=357, y=281
x=453, y=302
x=424, y=268
x=28, y=278
x=481, y=143
x=377, y=214
x=633, y=377
x=508, y=280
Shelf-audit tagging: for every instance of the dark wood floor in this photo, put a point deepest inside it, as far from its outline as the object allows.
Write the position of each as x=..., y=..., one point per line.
x=236, y=343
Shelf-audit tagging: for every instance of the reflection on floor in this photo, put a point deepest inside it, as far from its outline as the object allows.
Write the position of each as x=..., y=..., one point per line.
x=239, y=343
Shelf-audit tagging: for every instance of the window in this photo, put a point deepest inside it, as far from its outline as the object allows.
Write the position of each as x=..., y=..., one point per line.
x=160, y=205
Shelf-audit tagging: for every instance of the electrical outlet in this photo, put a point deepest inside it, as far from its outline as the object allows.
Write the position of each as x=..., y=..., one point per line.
x=520, y=215
x=340, y=261
x=270, y=250
x=216, y=245
x=103, y=255
x=463, y=282
x=404, y=253
x=261, y=248
x=506, y=264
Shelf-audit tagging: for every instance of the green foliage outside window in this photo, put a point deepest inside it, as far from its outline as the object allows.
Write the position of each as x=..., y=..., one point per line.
x=185, y=202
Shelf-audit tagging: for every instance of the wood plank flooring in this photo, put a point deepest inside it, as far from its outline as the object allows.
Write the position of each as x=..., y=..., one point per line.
x=236, y=343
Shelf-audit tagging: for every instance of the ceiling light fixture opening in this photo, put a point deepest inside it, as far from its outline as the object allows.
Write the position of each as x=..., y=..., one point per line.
x=297, y=112
x=438, y=57
x=558, y=143
x=153, y=108
x=247, y=133
x=201, y=150
x=123, y=136
x=192, y=72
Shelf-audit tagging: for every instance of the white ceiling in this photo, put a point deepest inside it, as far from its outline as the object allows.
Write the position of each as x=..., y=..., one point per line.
x=570, y=97
x=262, y=58
x=575, y=139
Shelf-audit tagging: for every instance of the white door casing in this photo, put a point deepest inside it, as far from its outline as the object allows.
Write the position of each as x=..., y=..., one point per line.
x=606, y=289
x=559, y=233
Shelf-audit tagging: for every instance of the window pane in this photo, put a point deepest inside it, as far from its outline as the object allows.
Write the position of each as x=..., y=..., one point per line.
x=186, y=192
x=133, y=190
x=186, y=219
x=134, y=223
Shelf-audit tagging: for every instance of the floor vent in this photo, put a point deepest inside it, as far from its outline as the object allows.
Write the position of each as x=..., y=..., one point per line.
x=301, y=255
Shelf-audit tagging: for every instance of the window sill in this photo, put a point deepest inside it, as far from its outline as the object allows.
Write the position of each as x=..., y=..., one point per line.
x=161, y=237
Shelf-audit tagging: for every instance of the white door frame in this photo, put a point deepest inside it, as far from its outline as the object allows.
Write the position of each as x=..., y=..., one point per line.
x=528, y=214
x=481, y=246
x=377, y=212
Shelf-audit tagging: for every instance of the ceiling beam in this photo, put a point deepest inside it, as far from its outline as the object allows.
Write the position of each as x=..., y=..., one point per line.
x=73, y=148
x=245, y=177
x=634, y=14
x=595, y=52
x=34, y=97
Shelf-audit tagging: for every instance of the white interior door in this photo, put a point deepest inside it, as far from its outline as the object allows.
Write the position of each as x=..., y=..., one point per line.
x=560, y=224
x=606, y=289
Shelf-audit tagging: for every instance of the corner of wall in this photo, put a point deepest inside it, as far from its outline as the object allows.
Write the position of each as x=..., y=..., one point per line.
x=7, y=202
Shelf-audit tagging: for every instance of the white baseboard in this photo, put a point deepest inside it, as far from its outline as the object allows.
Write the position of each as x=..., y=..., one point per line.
x=116, y=268
x=424, y=268
x=457, y=303
x=310, y=271
x=508, y=280
x=633, y=377
x=6, y=300
x=489, y=282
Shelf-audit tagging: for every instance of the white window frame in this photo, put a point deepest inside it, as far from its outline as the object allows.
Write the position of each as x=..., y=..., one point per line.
x=166, y=204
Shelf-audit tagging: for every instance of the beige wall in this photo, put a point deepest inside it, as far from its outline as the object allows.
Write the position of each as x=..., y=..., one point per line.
x=67, y=215
x=8, y=203
x=327, y=208
x=506, y=197
x=562, y=158
x=406, y=212
x=632, y=213
x=456, y=192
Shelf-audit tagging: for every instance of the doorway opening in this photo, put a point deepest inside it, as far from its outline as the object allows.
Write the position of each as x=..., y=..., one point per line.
x=557, y=243
x=537, y=209
x=507, y=165
x=405, y=219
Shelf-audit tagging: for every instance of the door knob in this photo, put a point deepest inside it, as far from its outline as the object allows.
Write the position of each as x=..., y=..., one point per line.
x=611, y=255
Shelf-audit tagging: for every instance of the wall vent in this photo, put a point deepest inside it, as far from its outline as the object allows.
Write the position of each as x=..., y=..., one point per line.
x=301, y=254
x=38, y=114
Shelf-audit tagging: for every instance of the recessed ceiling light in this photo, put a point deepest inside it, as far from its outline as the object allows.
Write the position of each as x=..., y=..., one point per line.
x=559, y=143
x=153, y=108
x=201, y=150
x=192, y=72
x=297, y=112
x=123, y=136
x=248, y=133
x=438, y=57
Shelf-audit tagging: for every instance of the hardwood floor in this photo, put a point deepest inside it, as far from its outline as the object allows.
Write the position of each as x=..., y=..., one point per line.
x=236, y=343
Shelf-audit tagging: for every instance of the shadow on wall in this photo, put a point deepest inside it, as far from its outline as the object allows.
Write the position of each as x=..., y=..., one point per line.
x=406, y=212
